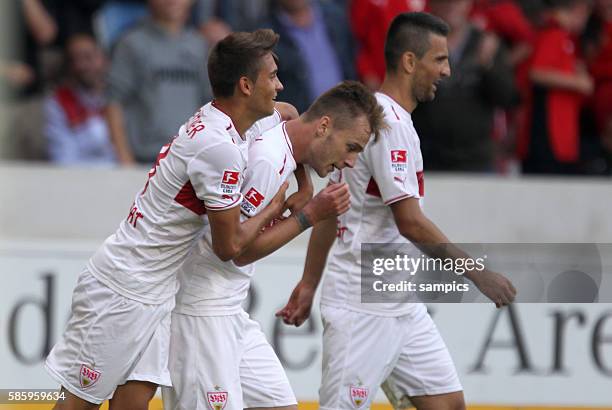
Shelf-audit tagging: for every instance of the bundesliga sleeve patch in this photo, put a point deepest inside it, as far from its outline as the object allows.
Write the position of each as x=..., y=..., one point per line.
x=229, y=182
x=398, y=160
x=252, y=200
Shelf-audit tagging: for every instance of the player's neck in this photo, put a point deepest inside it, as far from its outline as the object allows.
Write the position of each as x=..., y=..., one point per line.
x=299, y=133
x=240, y=116
x=400, y=92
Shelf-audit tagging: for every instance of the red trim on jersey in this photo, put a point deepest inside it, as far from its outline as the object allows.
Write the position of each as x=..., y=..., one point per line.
x=287, y=138
x=216, y=208
x=373, y=189
x=283, y=168
x=398, y=198
x=421, y=180
x=394, y=112
x=229, y=127
x=187, y=197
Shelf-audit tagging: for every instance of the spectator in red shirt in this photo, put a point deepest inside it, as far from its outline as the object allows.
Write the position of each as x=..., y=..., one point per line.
x=370, y=20
x=559, y=83
x=600, y=66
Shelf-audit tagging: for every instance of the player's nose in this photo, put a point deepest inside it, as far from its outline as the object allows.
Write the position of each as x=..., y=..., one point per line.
x=350, y=162
x=279, y=86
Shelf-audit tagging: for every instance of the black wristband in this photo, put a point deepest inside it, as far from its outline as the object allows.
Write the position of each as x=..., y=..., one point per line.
x=303, y=220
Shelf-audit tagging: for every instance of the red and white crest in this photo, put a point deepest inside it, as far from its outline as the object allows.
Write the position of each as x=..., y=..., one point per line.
x=254, y=197
x=359, y=395
x=398, y=156
x=88, y=377
x=230, y=177
x=217, y=399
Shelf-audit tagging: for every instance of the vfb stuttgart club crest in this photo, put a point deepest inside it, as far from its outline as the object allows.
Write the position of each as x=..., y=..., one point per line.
x=359, y=395
x=217, y=399
x=88, y=377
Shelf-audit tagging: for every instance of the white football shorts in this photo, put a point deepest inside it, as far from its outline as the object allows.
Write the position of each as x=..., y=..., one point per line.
x=109, y=340
x=360, y=351
x=223, y=362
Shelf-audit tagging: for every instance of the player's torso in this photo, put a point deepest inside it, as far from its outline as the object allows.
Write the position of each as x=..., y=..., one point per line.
x=166, y=217
x=370, y=218
x=210, y=286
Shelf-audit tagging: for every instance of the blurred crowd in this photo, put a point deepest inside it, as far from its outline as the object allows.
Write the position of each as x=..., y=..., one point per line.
x=109, y=81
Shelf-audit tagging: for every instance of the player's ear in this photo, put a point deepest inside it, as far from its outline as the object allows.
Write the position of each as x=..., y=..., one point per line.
x=323, y=126
x=409, y=61
x=245, y=86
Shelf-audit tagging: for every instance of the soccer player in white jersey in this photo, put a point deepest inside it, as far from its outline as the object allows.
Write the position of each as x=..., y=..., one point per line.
x=365, y=344
x=219, y=358
x=115, y=345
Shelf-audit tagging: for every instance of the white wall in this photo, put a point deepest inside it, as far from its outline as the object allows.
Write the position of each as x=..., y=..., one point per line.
x=52, y=219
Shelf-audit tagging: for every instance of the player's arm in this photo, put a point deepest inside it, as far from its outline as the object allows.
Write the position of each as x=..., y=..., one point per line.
x=216, y=173
x=299, y=199
x=330, y=202
x=421, y=231
x=287, y=111
x=116, y=125
x=297, y=309
x=230, y=237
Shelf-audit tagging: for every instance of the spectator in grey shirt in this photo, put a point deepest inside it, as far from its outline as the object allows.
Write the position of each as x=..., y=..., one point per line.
x=157, y=80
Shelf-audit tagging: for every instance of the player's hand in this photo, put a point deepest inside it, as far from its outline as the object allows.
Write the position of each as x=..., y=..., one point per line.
x=495, y=286
x=297, y=309
x=334, y=200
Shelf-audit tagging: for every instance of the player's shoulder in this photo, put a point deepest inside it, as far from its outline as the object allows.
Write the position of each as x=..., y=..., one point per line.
x=272, y=145
x=395, y=115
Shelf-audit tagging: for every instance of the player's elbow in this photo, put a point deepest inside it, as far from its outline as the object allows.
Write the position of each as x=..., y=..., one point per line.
x=226, y=252
x=411, y=228
x=241, y=260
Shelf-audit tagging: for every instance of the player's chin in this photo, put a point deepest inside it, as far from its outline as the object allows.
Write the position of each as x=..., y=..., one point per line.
x=322, y=172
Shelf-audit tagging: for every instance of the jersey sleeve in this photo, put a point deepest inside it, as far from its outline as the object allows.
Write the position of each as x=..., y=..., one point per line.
x=392, y=163
x=216, y=174
x=261, y=183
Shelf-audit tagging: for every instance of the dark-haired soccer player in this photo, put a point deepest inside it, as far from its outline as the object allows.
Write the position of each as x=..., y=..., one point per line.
x=115, y=345
x=365, y=344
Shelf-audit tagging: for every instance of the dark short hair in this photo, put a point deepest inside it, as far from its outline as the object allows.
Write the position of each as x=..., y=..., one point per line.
x=345, y=102
x=238, y=55
x=410, y=32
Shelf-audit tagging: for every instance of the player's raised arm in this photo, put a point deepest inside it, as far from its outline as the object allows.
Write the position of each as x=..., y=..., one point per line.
x=299, y=199
x=230, y=237
x=287, y=111
x=330, y=202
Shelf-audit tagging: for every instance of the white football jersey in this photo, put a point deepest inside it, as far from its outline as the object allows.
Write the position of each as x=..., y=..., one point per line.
x=209, y=286
x=201, y=168
x=387, y=171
